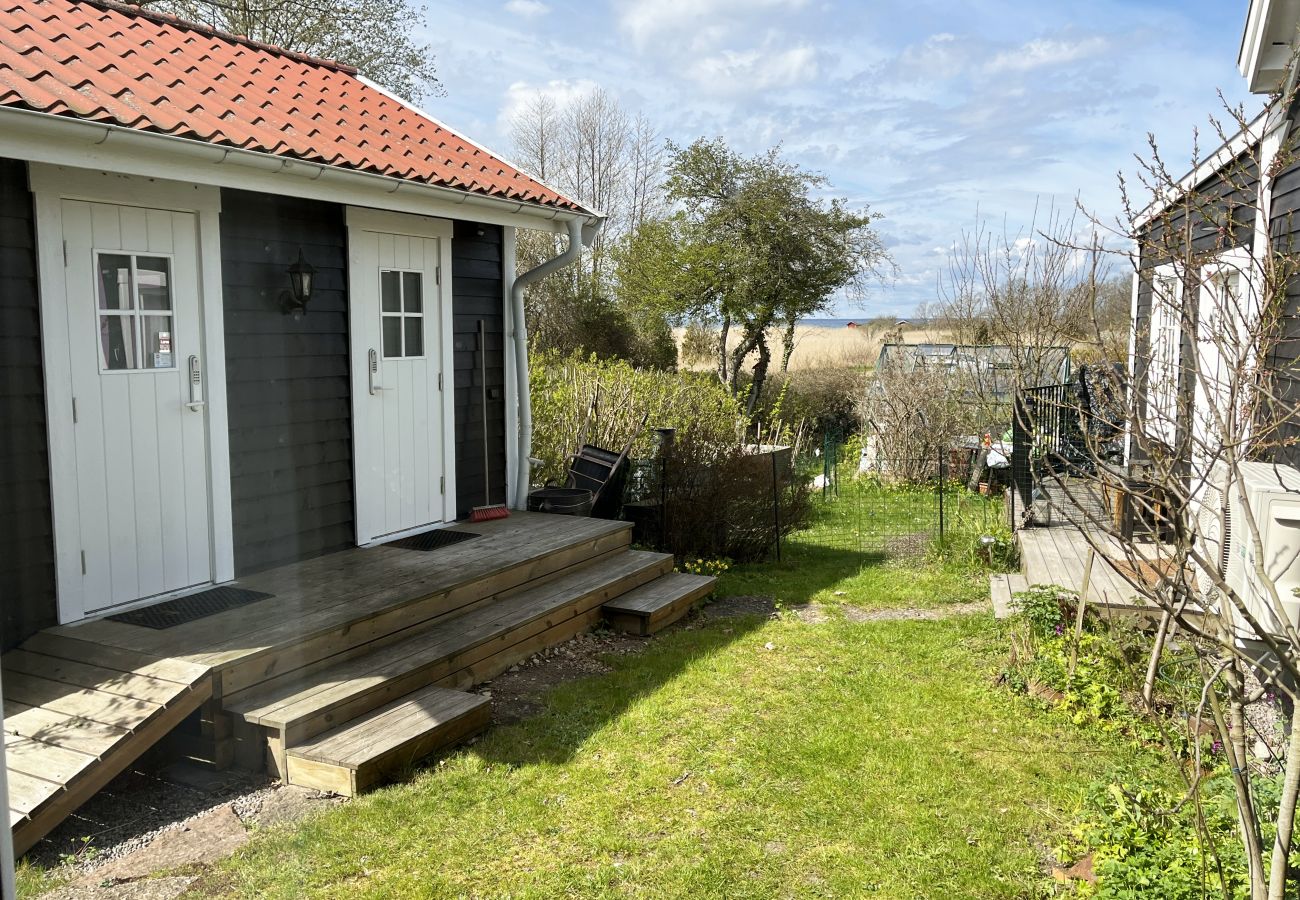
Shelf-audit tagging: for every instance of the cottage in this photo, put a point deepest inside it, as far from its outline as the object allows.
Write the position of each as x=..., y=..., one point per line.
x=261, y=319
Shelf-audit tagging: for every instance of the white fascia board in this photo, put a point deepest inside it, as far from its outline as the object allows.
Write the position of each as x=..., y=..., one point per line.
x=1266, y=43
x=1252, y=37
x=41, y=137
x=1259, y=127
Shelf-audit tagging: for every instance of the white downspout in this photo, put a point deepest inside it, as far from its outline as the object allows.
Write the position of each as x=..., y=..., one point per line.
x=579, y=236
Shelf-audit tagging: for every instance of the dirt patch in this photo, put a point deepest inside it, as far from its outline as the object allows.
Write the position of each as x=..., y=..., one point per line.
x=816, y=613
x=733, y=607
x=202, y=840
x=517, y=694
x=146, y=889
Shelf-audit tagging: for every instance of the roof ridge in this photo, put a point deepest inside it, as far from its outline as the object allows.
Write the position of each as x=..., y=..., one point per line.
x=132, y=9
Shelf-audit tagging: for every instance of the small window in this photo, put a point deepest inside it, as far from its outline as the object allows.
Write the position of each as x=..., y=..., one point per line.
x=134, y=308
x=401, y=297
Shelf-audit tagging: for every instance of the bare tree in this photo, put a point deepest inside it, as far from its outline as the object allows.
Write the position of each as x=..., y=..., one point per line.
x=1032, y=291
x=595, y=151
x=375, y=36
x=1210, y=410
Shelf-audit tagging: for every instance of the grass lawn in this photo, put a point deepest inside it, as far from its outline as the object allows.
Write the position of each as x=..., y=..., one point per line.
x=845, y=556
x=737, y=757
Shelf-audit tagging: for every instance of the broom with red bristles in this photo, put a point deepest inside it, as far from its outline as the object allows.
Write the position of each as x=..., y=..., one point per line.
x=488, y=510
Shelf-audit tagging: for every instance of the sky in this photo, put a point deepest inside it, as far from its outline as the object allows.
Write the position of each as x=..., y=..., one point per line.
x=935, y=114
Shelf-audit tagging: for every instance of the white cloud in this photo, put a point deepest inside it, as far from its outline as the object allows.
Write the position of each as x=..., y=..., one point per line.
x=528, y=9
x=521, y=93
x=759, y=69
x=694, y=24
x=1046, y=52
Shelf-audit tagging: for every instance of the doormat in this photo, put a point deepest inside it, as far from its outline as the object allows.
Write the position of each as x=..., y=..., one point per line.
x=432, y=540
x=188, y=609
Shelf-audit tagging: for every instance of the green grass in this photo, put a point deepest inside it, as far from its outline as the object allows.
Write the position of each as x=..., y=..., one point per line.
x=846, y=760
x=844, y=556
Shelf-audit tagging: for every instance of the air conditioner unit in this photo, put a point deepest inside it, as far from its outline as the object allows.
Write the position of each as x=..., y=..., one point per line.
x=1273, y=493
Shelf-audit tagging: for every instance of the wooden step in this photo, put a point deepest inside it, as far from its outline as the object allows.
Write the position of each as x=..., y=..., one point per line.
x=360, y=754
x=1001, y=590
x=657, y=605
x=482, y=572
x=452, y=652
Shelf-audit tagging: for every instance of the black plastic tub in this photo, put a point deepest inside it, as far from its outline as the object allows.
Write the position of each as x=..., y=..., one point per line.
x=562, y=501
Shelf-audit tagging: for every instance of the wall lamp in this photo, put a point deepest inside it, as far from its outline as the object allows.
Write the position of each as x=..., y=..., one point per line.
x=301, y=274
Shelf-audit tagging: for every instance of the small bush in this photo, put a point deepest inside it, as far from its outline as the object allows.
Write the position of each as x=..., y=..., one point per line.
x=826, y=400
x=564, y=389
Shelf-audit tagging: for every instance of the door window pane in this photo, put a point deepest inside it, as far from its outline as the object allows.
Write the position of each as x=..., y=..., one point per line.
x=412, y=292
x=115, y=281
x=392, y=335
x=152, y=275
x=134, y=300
x=402, y=313
x=117, y=341
x=414, y=336
x=390, y=291
x=158, y=350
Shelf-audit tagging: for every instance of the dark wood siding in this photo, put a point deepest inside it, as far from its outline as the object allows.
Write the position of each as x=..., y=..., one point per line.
x=27, y=600
x=1284, y=226
x=1221, y=217
x=287, y=378
x=477, y=294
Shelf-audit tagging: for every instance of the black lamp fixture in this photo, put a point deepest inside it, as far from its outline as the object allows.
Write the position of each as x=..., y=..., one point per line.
x=295, y=300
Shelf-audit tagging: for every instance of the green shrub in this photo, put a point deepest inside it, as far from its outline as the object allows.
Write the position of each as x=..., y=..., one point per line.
x=825, y=399
x=564, y=389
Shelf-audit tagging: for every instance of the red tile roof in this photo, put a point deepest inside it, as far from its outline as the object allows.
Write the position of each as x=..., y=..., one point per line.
x=119, y=65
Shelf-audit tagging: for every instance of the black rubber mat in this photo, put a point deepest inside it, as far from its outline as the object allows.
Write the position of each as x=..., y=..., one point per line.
x=188, y=609
x=432, y=540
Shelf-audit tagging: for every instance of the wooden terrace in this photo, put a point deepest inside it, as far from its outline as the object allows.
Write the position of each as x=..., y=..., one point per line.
x=354, y=667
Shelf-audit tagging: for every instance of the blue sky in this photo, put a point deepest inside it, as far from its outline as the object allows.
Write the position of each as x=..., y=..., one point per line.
x=930, y=112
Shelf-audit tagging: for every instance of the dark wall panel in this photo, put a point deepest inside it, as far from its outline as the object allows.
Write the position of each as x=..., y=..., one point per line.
x=1285, y=229
x=27, y=599
x=287, y=381
x=477, y=294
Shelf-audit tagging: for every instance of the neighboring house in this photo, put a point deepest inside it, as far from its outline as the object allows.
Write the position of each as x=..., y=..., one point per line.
x=240, y=291
x=1247, y=194
x=994, y=372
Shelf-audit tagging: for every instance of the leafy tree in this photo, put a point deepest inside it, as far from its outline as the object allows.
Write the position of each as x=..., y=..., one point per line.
x=375, y=36
x=748, y=247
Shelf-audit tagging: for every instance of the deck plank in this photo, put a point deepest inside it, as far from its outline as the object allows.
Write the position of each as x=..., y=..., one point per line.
x=84, y=675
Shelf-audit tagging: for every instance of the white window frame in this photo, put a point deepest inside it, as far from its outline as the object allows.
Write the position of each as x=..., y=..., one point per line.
x=137, y=312
x=1164, y=356
x=402, y=315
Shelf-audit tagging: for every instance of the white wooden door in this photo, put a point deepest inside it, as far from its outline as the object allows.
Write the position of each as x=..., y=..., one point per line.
x=133, y=324
x=397, y=335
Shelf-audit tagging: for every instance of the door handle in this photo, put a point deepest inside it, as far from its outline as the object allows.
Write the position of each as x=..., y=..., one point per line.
x=196, y=385
x=372, y=371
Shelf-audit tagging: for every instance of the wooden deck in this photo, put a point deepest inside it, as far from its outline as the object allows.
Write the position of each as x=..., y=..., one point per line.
x=351, y=667
x=1058, y=556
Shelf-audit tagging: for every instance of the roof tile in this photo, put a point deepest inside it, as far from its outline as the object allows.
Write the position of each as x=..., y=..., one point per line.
x=96, y=60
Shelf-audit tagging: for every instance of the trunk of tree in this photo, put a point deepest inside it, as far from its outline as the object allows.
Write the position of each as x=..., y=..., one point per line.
x=723, y=331
x=746, y=346
x=787, y=347
x=1285, y=818
x=1232, y=733
x=760, y=375
x=977, y=470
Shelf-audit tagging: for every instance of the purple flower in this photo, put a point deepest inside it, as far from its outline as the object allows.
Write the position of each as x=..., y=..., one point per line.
x=1060, y=629
x=1216, y=747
